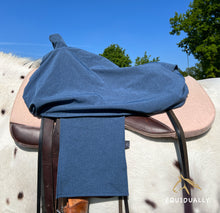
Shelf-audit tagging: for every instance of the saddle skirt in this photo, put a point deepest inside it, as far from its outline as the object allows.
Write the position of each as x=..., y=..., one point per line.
x=196, y=117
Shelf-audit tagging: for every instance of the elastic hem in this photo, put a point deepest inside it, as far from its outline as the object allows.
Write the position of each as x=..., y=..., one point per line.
x=92, y=195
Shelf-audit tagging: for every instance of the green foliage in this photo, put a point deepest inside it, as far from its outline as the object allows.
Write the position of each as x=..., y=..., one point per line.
x=182, y=72
x=201, y=23
x=196, y=72
x=117, y=55
x=145, y=59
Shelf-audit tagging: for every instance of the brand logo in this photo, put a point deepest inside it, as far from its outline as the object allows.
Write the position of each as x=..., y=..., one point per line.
x=184, y=186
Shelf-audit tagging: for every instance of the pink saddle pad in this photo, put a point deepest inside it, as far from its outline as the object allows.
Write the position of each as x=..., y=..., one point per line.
x=196, y=115
x=20, y=113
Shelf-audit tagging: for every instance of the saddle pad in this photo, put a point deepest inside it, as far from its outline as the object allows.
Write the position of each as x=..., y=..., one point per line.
x=24, y=127
x=195, y=116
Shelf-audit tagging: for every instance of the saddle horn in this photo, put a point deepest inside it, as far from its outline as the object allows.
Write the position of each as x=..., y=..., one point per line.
x=57, y=41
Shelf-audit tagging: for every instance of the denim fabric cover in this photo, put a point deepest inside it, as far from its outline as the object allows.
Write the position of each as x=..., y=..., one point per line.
x=93, y=162
x=91, y=94
x=72, y=83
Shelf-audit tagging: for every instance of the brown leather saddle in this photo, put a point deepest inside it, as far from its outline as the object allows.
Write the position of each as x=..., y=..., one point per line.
x=43, y=135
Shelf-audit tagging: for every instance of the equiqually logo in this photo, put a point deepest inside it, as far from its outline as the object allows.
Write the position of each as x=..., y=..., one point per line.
x=185, y=200
x=184, y=186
